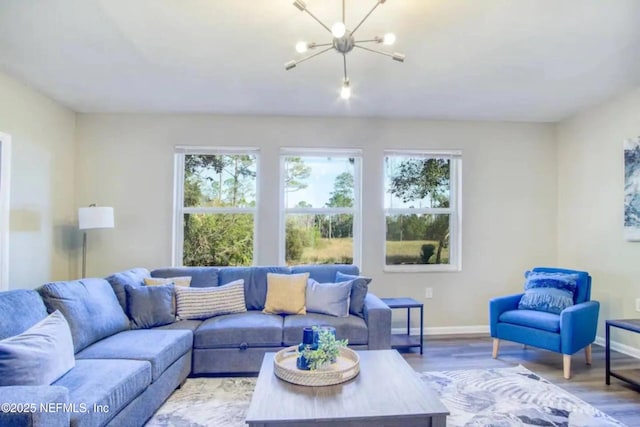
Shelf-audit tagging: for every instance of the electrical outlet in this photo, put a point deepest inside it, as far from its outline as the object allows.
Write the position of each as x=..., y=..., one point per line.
x=428, y=293
x=637, y=304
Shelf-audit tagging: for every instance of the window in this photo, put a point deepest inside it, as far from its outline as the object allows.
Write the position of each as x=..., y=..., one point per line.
x=320, y=217
x=215, y=206
x=422, y=211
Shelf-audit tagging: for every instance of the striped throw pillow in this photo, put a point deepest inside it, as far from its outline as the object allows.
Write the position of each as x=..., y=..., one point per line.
x=202, y=303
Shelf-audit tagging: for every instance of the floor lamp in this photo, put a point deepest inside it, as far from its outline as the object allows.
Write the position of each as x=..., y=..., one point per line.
x=89, y=218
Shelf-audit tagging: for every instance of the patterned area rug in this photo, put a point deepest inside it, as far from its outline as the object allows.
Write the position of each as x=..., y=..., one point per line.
x=482, y=397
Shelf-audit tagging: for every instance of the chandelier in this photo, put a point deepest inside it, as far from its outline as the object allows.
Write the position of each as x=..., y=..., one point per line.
x=343, y=42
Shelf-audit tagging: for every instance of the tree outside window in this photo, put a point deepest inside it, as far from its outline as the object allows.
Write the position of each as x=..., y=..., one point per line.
x=422, y=211
x=321, y=195
x=218, y=208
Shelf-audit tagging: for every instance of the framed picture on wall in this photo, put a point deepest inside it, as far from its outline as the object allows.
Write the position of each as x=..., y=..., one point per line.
x=632, y=189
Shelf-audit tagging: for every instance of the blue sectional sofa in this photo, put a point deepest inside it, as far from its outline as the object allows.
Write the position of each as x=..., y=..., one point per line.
x=123, y=375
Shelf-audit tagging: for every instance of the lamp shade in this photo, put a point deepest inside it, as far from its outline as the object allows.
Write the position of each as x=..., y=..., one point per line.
x=95, y=217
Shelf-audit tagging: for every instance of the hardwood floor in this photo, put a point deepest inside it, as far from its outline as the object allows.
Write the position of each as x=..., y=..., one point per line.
x=620, y=400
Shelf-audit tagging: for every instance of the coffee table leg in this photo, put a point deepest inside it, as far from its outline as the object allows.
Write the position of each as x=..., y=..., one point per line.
x=439, y=421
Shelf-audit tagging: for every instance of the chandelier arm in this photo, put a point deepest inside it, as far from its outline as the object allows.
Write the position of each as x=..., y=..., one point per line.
x=376, y=40
x=318, y=20
x=396, y=56
x=344, y=60
x=306, y=58
x=320, y=45
x=366, y=16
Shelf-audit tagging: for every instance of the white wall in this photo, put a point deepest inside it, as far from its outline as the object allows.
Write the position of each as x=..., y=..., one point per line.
x=509, y=194
x=590, y=204
x=42, y=237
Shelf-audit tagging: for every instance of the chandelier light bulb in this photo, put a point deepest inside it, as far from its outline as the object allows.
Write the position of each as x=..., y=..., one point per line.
x=301, y=47
x=345, y=92
x=389, y=39
x=338, y=30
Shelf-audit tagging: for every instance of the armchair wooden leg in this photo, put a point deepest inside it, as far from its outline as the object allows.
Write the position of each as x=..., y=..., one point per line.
x=587, y=354
x=496, y=346
x=566, y=365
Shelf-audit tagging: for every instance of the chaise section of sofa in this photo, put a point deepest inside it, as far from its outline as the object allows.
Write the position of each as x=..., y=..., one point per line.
x=118, y=370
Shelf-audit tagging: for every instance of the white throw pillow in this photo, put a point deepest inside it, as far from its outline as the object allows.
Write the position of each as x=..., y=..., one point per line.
x=38, y=356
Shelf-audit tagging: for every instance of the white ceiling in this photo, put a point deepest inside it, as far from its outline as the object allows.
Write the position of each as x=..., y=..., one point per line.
x=520, y=60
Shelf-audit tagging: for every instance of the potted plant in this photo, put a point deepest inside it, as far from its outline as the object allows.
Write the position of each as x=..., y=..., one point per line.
x=327, y=351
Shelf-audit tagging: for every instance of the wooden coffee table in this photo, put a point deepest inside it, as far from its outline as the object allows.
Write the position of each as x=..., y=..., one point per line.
x=387, y=392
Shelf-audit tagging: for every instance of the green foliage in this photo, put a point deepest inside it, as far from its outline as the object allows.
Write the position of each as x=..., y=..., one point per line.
x=294, y=242
x=218, y=239
x=327, y=351
x=418, y=179
x=342, y=195
x=426, y=252
x=218, y=181
x=297, y=173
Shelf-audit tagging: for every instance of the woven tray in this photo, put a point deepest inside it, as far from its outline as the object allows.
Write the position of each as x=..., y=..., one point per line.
x=347, y=366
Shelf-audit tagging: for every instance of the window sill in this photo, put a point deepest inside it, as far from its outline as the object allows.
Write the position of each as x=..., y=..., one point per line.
x=422, y=268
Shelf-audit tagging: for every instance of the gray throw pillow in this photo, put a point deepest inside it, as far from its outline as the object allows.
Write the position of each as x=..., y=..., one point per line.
x=359, y=290
x=38, y=356
x=328, y=298
x=151, y=306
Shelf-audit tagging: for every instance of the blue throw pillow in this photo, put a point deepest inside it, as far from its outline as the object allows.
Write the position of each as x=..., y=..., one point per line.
x=550, y=292
x=151, y=306
x=38, y=356
x=359, y=289
x=328, y=298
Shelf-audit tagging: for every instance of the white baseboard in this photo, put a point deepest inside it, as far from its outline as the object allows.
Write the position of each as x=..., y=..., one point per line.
x=620, y=348
x=484, y=329
x=445, y=330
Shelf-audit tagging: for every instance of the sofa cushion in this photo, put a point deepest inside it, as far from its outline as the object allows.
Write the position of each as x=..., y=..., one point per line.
x=118, y=281
x=20, y=309
x=187, y=325
x=253, y=328
x=550, y=292
x=89, y=305
x=286, y=293
x=532, y=319
x=159, y=347
x=203, y=303
x=201, y=277
x=352, y=328
x=151, y=306
x=325, y=273
x=38, y=356
x=178, y=281
x=359, y=290
x=328, y=298
x=113, y=384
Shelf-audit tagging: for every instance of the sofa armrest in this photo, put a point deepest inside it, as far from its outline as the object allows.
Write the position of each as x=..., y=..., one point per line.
x=34, y=406
x=578, y=325
x=377, y=315
x=499, y=305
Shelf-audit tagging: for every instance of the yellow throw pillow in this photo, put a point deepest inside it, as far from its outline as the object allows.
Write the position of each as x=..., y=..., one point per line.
x=178, y=281
x=286, y=293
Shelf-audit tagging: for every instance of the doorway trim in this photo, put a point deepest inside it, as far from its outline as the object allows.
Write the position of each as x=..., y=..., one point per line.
x=5, y=177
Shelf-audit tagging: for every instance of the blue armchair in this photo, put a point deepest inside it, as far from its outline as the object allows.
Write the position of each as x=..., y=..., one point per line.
x=571, y=330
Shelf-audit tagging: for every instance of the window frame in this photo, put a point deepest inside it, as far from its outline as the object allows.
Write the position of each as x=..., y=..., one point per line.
x=179, y=210
x=454, y=210
x=356, y=210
